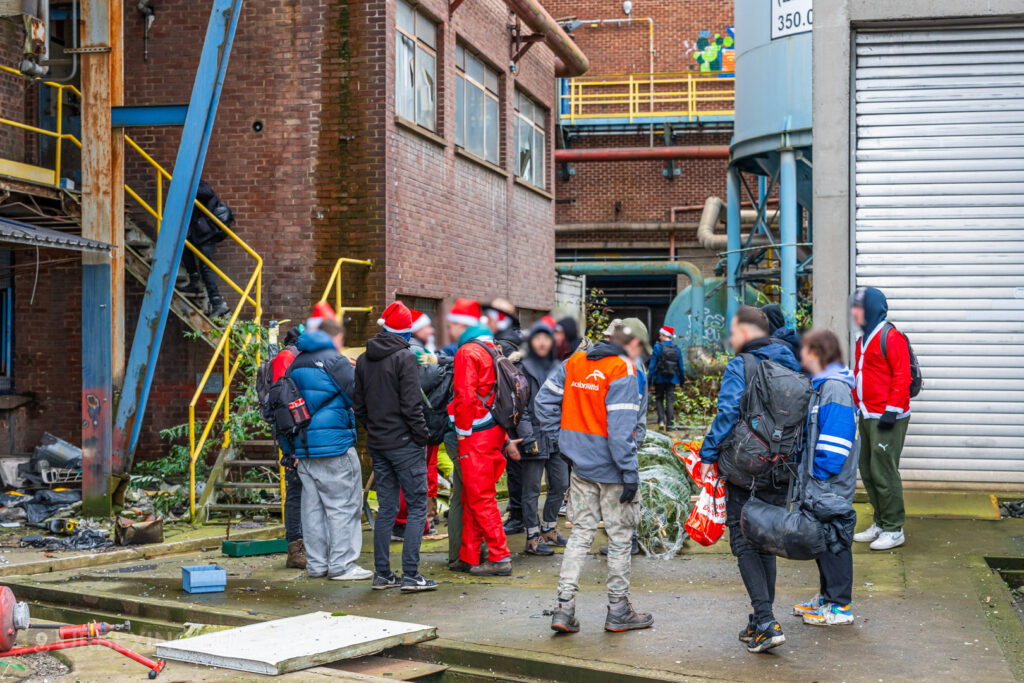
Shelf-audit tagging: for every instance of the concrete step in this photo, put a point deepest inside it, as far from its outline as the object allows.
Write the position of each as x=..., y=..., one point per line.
x=251, y=463
x=266, y=485
x=272, y=507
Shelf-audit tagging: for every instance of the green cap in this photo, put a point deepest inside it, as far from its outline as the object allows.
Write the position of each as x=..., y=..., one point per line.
x=637, y=330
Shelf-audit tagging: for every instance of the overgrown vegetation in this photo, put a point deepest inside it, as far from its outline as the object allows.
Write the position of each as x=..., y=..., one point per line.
x=597, y=314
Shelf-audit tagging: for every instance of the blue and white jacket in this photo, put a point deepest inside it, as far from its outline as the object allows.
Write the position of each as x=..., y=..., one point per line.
x=832, y=430
x=326, y=381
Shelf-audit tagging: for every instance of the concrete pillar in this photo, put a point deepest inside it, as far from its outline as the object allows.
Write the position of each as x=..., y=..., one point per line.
x=789, y=214
x=734, y=297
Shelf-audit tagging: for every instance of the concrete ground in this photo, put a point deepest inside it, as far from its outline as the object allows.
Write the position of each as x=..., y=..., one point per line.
x=930, y=610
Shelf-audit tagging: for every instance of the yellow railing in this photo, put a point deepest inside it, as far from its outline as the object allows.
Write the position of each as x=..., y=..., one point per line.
x=250, y=295
x=334, y=283
x=642, y=97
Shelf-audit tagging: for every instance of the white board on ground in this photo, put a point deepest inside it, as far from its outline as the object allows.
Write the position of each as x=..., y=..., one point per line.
x=295, y=643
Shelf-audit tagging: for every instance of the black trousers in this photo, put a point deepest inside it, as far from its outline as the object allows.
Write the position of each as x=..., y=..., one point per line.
x=757, y=569
x=292, y=505
x=836, y=577
x=664, y=402
x=514, y=476
x=557, y=468
x=196, y=267
x=399, y=470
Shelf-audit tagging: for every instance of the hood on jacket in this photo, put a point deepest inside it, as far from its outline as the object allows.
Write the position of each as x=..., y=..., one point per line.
x=775, y=318
x=766, y=348
x=874, y=304
x=836, y=371
x=603, y=349
x=541, y=328
x=314, y=340
x=383, y=344
x=476, y=332
x=790, y=338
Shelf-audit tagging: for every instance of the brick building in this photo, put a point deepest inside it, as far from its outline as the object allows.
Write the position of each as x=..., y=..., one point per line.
x=622, y=209
x=371, y=129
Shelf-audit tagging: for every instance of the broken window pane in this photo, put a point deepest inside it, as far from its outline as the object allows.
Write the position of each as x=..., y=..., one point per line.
x=405, y=90
x=425, y=93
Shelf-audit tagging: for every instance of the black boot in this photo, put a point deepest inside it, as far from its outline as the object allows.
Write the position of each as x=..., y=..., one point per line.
x=218, y=307
x=194, y=286
x=634, y=548
x=564, y=620
x=622, y=617
x=514, y=526
x=489, y=568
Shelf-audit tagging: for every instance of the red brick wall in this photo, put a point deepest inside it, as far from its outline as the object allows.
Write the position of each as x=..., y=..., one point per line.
x=13, y=102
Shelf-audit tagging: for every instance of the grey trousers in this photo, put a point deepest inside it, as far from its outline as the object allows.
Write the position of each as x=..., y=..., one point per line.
x=451, y=445
x=332, y=502
x=400, y=469
x=558, y=481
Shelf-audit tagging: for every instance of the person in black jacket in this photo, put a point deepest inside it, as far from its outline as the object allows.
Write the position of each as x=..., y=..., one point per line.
x=388, y=403
x=538, y=453
x=204, y=234
x=778, y=329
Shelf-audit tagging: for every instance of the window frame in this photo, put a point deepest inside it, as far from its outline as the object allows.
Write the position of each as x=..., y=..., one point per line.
x=418, y=44
x=538, y=120
x=463, y=80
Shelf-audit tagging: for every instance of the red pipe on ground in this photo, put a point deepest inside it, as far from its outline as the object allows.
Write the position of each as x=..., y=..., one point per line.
x=569, y=58
x=641, y=153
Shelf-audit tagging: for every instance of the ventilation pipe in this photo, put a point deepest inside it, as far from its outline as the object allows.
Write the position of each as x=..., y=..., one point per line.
x=718, y=242
x=642, y=153
x=569, y=58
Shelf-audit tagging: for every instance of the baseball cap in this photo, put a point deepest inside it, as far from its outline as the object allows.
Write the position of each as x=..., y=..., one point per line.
x=634, y=328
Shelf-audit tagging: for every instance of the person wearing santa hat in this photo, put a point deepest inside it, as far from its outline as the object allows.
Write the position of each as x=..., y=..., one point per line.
x=386, y=400
x=434, y=368
x=666, y=372
x=480, y=442
x=321, y=311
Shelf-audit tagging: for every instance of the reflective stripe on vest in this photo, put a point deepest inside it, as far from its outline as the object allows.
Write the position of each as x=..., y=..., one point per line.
x=586, y=388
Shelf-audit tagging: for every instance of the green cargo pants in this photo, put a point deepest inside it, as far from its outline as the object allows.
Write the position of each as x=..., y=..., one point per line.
x=451, y=444
x=880, y=470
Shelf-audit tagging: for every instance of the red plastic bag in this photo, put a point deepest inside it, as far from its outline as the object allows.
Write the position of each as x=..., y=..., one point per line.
x=706, y=522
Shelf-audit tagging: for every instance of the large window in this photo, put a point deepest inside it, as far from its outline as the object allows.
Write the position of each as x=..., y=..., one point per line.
x=476, y=106
x=416, y=67
x=531, y=141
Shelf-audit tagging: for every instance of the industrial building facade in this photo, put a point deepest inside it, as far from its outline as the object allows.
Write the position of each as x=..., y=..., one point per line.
x=384, y=130
x=926, y=191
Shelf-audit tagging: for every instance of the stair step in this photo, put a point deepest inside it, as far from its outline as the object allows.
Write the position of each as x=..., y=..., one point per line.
x=251, y=463
x=241, y=507
x=247, y=485
x=257, y=442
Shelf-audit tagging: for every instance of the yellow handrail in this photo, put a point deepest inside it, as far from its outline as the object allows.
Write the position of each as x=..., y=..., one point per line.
x=637, y=97
x=250, y=295
x=334, y=282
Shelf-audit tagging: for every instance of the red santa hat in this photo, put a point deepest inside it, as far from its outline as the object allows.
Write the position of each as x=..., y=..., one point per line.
x=549, y=321
x=396, y=318
x=466, y=312
x=321, y=311
x=419, y=320
x=667, y=330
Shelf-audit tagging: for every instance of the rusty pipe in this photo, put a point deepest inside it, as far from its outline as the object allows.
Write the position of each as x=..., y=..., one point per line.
x=569, y=58
x=673, y=211
x=642, y=153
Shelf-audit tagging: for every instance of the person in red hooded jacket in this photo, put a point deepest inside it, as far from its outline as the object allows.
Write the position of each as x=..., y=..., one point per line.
x=480, y=445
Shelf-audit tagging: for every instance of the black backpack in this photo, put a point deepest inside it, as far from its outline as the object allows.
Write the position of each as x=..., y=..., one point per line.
x=769, y=429
x=436, y=397
x=916, y=380
x=511, y=393
x=286, y=406
x=668, y=361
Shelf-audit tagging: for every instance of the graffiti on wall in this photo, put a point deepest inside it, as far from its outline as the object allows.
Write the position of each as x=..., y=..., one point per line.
x=714, y=51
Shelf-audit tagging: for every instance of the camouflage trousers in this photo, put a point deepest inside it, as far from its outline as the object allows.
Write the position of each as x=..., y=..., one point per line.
x=589, y=503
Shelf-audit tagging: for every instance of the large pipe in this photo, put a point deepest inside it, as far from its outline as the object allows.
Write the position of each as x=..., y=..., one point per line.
x=642, y=153
x=567, y=228
x=650, y=268
x=788, y=221
x=569, y=58
x=709, y=219
x=734, y=292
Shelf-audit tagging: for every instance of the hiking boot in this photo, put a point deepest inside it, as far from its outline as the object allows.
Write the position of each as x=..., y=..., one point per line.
x=499, y=568
x=296, y=555
x=193, y=288
x=888, y=540
x=830, y=614
x=514, y=526
x=634, y=548
x=398, y=533
x=384, y=581
x=868, y=535
x=747, y=634
x=812, y=605
x=535, y=545
x=563, y=619
x=766, y=637
x=622, y=617
x=553, y=538
x=415, y=583
x=218, y=308
x=459, y=566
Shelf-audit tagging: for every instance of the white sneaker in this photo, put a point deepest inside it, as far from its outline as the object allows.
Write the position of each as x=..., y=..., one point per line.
x=354, y=574
x=868, y=535
x=888, y=539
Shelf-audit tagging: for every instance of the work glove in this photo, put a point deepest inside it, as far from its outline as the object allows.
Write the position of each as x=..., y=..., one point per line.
x=888, y=420
x=289, y=462
x=628, y=492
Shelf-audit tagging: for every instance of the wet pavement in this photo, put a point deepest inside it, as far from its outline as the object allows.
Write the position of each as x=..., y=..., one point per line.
x=932, y=609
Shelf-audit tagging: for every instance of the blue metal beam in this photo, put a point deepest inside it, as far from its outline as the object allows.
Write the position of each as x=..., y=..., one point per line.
x=734, y=294
x=789, y=214
x=195, y=137
x=97, y=385
x=156, y=115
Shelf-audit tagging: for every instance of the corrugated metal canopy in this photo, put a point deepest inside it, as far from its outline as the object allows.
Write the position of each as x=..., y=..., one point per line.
x=15, y=232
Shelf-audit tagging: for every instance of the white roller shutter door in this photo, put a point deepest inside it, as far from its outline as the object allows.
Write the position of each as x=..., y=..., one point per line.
x=939, y=227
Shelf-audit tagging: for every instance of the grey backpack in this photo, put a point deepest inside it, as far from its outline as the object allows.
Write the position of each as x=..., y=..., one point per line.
x=769, y=431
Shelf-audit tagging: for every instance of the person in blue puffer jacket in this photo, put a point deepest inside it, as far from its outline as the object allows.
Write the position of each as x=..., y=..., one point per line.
x=829, y=466
x=665, y=372
x=327, y=462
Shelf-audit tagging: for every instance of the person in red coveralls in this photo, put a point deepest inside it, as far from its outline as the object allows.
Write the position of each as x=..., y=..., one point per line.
x=480, y=445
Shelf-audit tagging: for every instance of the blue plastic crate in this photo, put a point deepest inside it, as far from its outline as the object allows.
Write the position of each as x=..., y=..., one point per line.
x=204, y=578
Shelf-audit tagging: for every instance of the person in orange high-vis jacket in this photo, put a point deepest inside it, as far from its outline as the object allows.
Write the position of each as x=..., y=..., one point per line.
x=589, y=407
x=480, y=444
